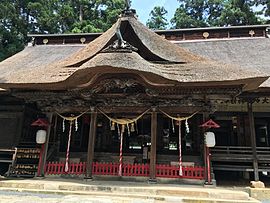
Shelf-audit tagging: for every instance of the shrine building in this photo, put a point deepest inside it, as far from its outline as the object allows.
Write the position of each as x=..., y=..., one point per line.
x=131, y=102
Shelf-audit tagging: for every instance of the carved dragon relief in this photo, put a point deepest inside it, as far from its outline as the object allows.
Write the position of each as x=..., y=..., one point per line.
x=116, y=85
x=126, y=86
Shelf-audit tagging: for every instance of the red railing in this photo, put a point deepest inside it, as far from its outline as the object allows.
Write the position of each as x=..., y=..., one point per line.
x=164, y=171
x=136, y=170
x=56, y=168
x=105, y=168
x=191, y=172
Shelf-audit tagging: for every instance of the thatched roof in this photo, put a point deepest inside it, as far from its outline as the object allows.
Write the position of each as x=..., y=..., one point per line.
x=26, y=64
x=249, y=53
x=66, y=66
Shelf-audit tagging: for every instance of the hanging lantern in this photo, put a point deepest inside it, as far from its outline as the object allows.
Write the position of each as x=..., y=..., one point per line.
x=210, y=140
x=41, y=136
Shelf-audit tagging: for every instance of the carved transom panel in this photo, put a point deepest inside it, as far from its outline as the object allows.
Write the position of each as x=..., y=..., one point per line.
x=118, y=85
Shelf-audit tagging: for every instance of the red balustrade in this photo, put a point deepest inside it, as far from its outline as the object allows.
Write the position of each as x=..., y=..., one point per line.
x=163, y=171
x=127, y=169
x=168, y=171
x=136, y=170
x=105, y=168
x=56, y=168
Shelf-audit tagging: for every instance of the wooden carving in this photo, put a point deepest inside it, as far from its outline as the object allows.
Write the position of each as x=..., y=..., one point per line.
x=118, y=85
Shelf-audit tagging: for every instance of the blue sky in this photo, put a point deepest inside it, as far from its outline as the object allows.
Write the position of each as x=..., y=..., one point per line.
x=144, y=7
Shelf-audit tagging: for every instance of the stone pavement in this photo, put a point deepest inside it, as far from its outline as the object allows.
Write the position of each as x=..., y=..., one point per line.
x=27, y=197
x=78, y=190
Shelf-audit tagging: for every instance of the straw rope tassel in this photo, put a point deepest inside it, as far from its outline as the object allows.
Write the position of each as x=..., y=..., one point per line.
x=178, y=118
x=71, y=118
x=123, y=121
x=67, y=154
x=121, y=151
x=180, y=151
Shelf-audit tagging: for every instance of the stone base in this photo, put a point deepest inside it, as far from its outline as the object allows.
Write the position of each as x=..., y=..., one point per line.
x=88, y=179
x=211, y=185
x=257, y=184
x=152, y=181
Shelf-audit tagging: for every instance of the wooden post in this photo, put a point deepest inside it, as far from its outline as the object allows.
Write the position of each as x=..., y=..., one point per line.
x=253, y=140
x=207, y=163
x=40, y=160
x=91, y=144
x=46, y=145
x=153, y=146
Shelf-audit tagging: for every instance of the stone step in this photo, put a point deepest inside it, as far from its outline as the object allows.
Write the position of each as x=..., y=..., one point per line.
x=101, y=197
x=118, y=189
x=149, y=190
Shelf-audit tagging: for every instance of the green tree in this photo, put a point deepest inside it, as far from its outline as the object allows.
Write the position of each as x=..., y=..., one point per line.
x=238, y=12
x=43, y=16
x=158, y=21
x=98, y=16
x=202, y=13
x=19, y=17
x=191, y=13
x=13, y=29
x=214, y=9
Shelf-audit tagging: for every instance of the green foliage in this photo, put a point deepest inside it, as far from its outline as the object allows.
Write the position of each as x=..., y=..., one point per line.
x=202, y=13
x=238, y=12
x=42, y=16
x=12, y=29
x=158, y=20
x=62, y=16
x=183, y=19
x=214, y=8
x=19, y=17
x=190, y=14
x=96, y=16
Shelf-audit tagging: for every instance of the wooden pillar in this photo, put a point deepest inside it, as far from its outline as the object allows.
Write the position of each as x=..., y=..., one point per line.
x=46, y=145
x=207, y=163
x=253, y=140
x=91, y=144
x=153, y=146
x=205, y=117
